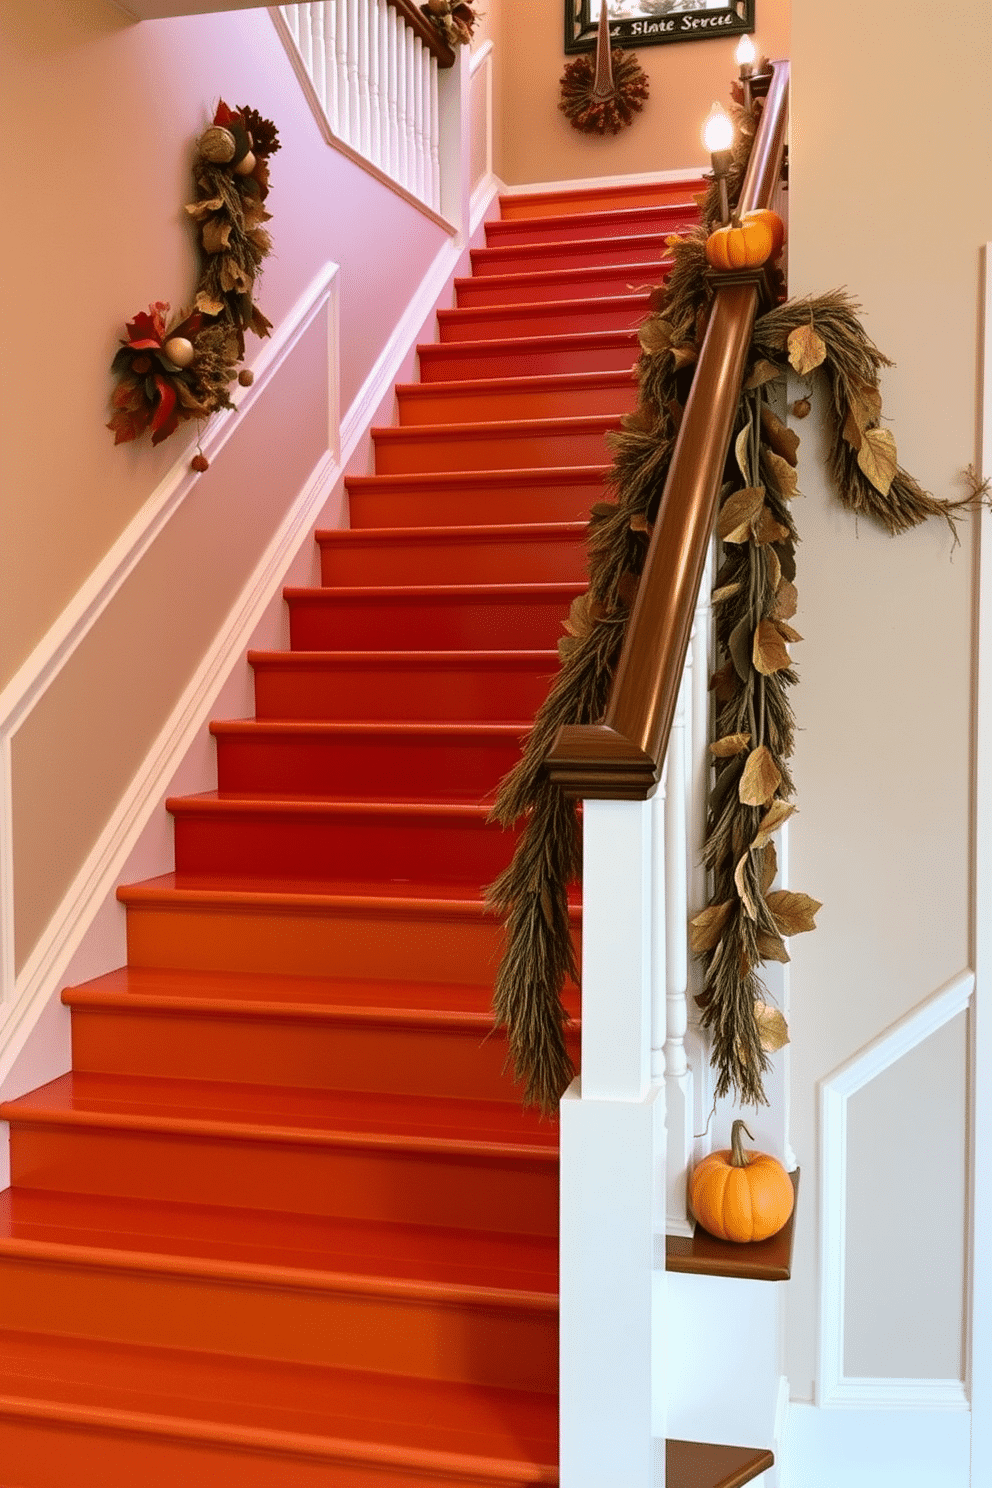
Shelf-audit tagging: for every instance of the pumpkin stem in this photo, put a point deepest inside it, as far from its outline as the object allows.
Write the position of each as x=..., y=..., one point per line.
x=738, y=1157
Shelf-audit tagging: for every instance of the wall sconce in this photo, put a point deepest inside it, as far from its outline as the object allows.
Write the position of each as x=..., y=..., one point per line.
x=744, y=57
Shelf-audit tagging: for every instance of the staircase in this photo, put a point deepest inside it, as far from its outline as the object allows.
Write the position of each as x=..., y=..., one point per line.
x=285, y=1225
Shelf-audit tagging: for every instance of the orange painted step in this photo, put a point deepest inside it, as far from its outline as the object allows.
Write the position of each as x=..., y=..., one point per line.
x=546, y=285
x=545, y=258
x=521, y=444
x=431, y=1303
x=438, y=933
x=559, y=318
x=445, y=617
x=438, y=686
x=566, y=202
x=406, y=1039
x=493, y=399
x=529, y=356
x=521, y=553
x=246, y=1423
x=327, y=842
x=365, y=761
x=455, y=498
x=457, y=1164
x=619, y=222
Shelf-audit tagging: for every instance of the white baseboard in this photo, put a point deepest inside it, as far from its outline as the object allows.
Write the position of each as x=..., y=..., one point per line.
x=589, y=183
x=875, y=1449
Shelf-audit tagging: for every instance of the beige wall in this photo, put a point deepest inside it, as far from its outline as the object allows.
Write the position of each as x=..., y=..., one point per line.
x=891, y=136
x=537, y=143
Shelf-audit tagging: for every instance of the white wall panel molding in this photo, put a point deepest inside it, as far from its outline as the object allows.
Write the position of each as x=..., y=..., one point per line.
x=980, y=1258
x=833, y=1387
x=874, y=1449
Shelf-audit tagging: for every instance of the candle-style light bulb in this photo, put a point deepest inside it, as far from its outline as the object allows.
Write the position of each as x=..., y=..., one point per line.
x=718, y=131
x=745, y=53
x=718, y=136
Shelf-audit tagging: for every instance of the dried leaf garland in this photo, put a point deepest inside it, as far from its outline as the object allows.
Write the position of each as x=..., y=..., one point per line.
x=586, y=110
x=155, y=391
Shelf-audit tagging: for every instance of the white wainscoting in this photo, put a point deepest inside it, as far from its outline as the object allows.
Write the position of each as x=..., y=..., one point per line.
x=834, y=1388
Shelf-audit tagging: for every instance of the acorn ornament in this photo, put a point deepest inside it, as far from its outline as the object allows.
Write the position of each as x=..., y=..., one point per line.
x=179, y=350
x=218, y=145
x=245, y=165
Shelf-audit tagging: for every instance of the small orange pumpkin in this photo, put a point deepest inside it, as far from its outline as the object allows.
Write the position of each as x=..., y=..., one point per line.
x=748, y=243
x=739, y=1195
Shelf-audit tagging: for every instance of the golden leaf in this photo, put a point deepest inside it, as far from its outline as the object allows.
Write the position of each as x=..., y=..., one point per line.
x=740, y=883
x=761, y=778
x=725, y=592
x=706, y=930
x=738, y=512
x=765, y=529
x=786, y=631
x=877, y=458
x=740, y=450
x=729, y=745
x=761, y=373
x=655, y=335
x=774, y=568
x=793, y=913
x=783, y=441
x=807, y=349
x=769, y=865
x=216, y=234
x=207, y=304
x=852, y=430
x=786, y=600
x=198, y=210
x=777, y=813
x=768, y=651
x=785, y=477
x=773, y=1030
x=772, y=947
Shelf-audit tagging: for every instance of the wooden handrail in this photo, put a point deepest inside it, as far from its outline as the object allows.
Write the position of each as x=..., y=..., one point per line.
x=621, y=758
x=431, y=37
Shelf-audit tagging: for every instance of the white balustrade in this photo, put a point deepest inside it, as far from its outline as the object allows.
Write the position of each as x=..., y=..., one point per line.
x=377, y=85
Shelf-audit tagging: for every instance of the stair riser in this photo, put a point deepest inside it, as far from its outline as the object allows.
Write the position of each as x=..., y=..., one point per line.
x=522, y=560
x=444, y=693
x=452, y=362
x=452, y=506
x=397, y=1060
x=323, y=621
x=566, y=319
x=364, y=767
x=436, y=405
x=483, y=1345
x=588, y=253
x=329, y=849
x=517, y=447
x=429, y=1188
x=360, y=943
x=606, y=279
x=35, y=1454
x=612, y=225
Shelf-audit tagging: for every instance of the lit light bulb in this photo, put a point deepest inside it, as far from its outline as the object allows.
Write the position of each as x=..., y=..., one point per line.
x=745, y=53
x=718, y=131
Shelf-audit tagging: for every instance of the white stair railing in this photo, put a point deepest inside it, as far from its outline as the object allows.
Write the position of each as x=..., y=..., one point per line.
x=376, y=83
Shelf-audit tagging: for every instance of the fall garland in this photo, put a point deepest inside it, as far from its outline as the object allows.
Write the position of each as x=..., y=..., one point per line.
x=746, y=921
x=589, y=111
x=169, y=372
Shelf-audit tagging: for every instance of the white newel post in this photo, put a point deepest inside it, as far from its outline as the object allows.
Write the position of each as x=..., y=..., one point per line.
x=613, y=1172
x=454, y=145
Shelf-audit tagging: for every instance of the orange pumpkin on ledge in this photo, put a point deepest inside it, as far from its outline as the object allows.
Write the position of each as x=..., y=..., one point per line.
x=741, y=1196
x=748, y=243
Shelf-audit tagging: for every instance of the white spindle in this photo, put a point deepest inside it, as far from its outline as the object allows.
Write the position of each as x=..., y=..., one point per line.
x=394, y=93
x=306, y=35
x=354, y=105
x=435, y=136
x=419, y=77
x=376, y=102
x=291, y=15
x=318, y=71
x=332, y=84
x=364, y=140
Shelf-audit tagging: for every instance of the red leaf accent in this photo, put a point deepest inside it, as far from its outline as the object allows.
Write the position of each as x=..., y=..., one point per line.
x=148, y=328
x=164, y=412
x=224, y=115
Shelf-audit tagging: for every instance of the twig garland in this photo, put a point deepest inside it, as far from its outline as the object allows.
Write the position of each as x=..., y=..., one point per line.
x=592, y=114
x=168, y=373
x=746, y=921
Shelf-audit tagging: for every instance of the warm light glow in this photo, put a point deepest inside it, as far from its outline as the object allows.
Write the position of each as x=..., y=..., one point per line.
x=745, y=53
x=718, y=131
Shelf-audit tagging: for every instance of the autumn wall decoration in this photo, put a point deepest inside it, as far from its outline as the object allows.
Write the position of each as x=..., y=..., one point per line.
x=603, y=95
x=172, y=371
x=747, y=921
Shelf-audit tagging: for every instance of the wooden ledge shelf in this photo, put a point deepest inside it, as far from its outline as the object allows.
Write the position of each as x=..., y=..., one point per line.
x=764, y=1260
x=704, y=1465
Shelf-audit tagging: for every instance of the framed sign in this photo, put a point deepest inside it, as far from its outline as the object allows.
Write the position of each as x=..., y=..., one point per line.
x=637, y=23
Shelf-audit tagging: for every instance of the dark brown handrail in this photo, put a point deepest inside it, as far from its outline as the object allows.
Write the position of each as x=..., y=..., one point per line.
x=428, y=33
x=621, y=758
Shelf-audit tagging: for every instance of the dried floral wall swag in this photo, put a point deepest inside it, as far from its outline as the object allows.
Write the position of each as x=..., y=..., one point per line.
x=603, y=94
x=747, y=921
x=171, y=371
x=454, y=19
